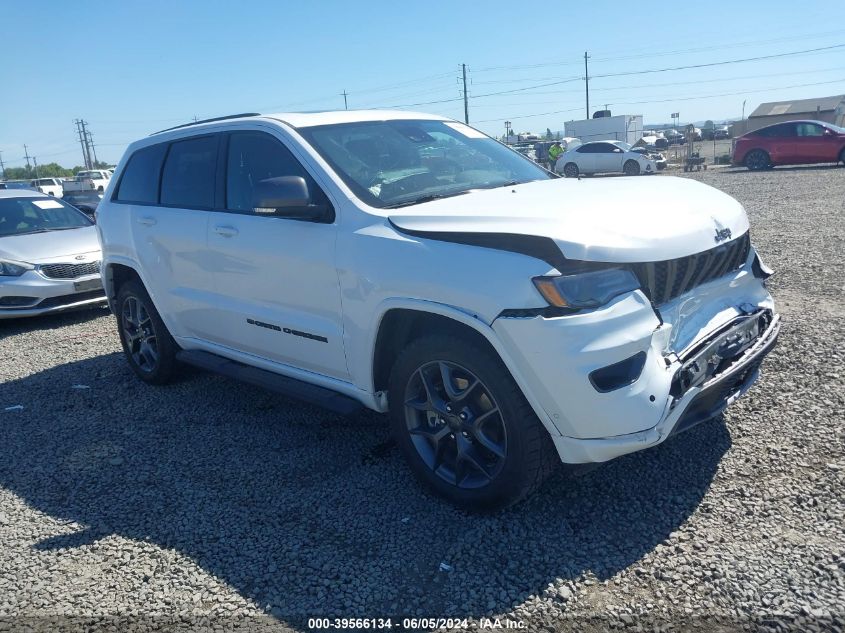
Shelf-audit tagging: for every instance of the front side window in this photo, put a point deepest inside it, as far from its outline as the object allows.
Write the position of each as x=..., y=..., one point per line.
x=253, y=157
x=139, y=182
x=809, y=129
x=189, y=172
x=20, y=216
x=403, y=162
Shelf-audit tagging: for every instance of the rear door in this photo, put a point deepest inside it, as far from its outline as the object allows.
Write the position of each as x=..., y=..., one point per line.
x=780, y=142
x=170, y=189
x=586, y=157
x=278, y=294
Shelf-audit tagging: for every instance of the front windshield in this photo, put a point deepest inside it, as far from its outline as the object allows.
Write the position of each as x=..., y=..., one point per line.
x=626, y=146
x=19, y=216
x=396, y=163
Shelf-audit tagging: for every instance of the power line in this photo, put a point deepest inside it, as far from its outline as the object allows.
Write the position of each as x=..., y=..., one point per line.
x=673, y=99
x=722, y=63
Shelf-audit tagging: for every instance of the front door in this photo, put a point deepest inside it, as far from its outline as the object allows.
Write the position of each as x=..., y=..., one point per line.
x=812, y=145
x=278, y=294
x=608, y=158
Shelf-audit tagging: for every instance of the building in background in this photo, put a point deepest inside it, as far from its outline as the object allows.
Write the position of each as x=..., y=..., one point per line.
x=827, y=109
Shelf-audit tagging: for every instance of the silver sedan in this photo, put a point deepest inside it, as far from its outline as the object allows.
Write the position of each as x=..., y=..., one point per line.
x=49, y=256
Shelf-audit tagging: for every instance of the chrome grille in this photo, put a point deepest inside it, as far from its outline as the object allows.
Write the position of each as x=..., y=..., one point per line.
x=69, y=271
x=668, y=279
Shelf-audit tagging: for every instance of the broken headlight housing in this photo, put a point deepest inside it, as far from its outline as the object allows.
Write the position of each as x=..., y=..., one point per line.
x=589, y=289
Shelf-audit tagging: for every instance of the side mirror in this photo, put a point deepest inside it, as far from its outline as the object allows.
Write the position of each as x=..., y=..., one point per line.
x=287, y=197
x=828, y=132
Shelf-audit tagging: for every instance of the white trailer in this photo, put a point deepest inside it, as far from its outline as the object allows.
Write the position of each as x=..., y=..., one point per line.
x=624, y=127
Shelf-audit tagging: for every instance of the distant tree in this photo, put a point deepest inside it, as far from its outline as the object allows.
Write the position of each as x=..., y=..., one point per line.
x=549, y=135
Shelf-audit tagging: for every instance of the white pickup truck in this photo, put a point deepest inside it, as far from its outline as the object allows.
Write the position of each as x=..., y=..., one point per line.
x=96, y=179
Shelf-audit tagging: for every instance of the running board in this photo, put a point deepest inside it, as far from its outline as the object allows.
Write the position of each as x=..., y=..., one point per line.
x=271, y=381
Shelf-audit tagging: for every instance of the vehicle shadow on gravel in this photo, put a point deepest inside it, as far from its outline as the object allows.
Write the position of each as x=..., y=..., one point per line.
x=310, y=514
x=9, y=327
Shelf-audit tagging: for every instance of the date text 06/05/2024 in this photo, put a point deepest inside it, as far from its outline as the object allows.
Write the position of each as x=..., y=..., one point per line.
x=411, y=623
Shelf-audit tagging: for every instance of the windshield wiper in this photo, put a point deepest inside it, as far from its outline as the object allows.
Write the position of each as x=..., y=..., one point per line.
x=427, y=198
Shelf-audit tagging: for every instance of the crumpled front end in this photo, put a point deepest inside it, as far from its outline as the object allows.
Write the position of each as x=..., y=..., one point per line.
x=651, y=362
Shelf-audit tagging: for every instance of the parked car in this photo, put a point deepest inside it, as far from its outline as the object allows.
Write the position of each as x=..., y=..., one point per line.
x=790, y=143
x=604, y=157
x=722, y=132
x=658, y=158
x=505, y=318
x=49, y=256
x=674, y=137
x=16, y=184
x=85, y=201
x=50, y=186
x=96, y=179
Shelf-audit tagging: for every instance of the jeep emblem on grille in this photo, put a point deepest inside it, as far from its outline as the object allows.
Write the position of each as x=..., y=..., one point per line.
x=722, y=235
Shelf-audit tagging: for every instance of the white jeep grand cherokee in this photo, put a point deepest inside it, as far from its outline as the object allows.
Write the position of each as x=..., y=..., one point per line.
x=409, y=263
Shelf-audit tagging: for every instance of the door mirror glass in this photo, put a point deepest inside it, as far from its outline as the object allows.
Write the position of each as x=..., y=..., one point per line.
x=285, y=196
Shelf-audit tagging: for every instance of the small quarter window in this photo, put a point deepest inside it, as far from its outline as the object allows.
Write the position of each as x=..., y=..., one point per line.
x=189, y=170
x=139, y=182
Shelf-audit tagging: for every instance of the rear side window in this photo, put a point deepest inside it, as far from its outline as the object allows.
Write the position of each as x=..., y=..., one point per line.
x=139, y=182
x=784, y=130
x=189, y=170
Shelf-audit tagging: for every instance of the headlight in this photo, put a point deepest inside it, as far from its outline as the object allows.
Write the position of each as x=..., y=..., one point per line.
x=13, y=269
x=587, y=289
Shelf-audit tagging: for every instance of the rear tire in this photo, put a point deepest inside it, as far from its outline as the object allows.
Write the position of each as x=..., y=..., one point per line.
x=570, y=170
x=464, y=426
x=631, y=168
x=757, y=160
x=149, y=348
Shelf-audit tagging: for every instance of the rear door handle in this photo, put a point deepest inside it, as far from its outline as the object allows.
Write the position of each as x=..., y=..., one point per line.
x=146, y=220
x=226, y=231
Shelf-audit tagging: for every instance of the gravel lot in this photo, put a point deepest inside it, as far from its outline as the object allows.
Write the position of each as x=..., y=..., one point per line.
x=210, y=503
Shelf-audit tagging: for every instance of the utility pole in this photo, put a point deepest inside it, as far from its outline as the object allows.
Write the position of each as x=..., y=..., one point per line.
x=466, y=102
x=2, y=167
x=88, y=162
x=35, y=160
x=83, y=142
x=587, y=82
x=93, y=149
x=345, y=94
x=26, y=155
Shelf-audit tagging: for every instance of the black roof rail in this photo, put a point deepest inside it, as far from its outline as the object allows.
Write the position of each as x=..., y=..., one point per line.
x=218, y=118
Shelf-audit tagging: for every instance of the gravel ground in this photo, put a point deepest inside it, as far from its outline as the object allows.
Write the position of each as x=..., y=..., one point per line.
x=212, y=504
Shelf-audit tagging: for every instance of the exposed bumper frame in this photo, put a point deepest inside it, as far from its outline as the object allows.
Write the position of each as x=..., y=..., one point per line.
x=696, y=405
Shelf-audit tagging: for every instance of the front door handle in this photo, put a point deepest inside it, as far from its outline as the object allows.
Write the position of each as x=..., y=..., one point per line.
x=226, y=231
x=146, y=220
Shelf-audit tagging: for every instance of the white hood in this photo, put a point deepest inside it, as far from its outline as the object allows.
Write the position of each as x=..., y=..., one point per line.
x=648, y=218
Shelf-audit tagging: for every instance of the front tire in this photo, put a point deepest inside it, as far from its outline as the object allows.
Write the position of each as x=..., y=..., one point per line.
x=149, y=348
x=464, y=426
x=631, y=168
x=842, y=157
x=570, y=170
x=757, y=160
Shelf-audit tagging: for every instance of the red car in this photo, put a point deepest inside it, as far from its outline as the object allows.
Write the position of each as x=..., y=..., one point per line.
x=790, y=143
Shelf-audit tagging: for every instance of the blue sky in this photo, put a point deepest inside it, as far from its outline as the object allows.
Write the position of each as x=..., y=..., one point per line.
x=131, y=68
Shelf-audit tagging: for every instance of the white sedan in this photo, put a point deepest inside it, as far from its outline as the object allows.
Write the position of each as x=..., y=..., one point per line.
x=604, y=157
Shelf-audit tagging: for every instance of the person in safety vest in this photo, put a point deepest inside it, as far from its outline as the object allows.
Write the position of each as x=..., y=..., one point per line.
x=554, y=153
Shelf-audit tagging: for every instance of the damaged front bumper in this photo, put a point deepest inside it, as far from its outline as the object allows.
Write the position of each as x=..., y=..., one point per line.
x=663, y=369
x=720, y=383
